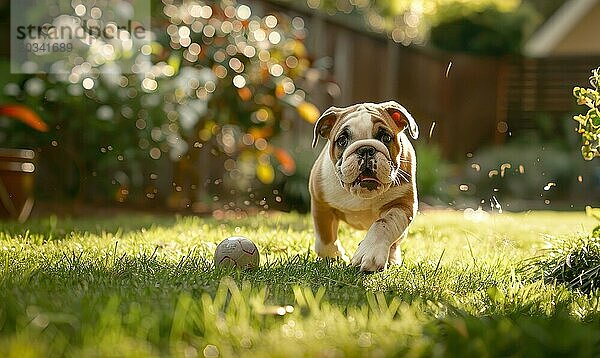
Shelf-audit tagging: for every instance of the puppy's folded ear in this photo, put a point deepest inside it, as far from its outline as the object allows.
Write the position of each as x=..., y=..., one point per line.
x=401, y=117
x=324, y=124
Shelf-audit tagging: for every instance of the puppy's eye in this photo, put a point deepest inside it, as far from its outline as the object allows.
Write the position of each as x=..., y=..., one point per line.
x=386, y=138
x=342, y=141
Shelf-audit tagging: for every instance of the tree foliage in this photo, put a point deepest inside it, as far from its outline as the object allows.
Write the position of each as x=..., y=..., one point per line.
x=488, y=31
x=409, y=21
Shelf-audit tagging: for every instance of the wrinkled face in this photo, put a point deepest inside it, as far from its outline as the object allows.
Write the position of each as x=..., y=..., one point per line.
x=365, y=147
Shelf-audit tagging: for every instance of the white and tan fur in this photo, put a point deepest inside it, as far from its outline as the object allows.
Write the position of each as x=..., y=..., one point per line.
x=369, y=182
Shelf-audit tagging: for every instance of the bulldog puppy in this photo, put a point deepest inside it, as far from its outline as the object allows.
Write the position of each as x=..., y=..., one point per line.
x=365, y=176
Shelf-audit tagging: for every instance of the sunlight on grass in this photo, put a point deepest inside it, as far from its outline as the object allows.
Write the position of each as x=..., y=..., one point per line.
x=146, y=285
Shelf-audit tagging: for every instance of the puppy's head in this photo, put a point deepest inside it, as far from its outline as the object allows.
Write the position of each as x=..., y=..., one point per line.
x=368, y=146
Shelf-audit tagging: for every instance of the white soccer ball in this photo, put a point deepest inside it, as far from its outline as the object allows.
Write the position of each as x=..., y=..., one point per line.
x=238, y=252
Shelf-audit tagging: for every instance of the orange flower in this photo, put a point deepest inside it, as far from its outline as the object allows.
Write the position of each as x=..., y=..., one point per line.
x=288, y=164
x=245, y=93
x=262, y=132
x=25, y=115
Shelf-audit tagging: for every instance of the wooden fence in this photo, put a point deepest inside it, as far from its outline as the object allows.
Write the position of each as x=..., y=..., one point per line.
x=461, y=102
x=545, y=86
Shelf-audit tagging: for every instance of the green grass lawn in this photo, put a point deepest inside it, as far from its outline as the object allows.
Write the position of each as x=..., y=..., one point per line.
x=145, y=285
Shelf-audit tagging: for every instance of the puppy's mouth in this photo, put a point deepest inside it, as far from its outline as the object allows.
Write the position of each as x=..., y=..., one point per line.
x=368, y=179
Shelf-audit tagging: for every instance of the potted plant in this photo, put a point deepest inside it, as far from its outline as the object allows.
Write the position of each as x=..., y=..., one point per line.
x=17, y=168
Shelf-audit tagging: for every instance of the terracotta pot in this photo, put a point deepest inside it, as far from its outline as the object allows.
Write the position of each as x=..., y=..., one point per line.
x=16, y=183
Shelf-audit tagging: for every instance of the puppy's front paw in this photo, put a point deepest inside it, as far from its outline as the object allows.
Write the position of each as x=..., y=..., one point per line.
x=371, y=256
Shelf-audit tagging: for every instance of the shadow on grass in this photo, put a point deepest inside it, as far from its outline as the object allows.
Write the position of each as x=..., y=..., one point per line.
x=53, y=227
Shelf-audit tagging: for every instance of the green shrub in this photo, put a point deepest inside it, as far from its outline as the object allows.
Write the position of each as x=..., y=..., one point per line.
x=208, y=116
x=589, y=123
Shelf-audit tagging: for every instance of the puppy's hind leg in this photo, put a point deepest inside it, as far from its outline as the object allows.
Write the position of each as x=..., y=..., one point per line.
x=326, y=228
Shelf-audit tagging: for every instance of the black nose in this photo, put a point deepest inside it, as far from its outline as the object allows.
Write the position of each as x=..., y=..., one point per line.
x=366, y=151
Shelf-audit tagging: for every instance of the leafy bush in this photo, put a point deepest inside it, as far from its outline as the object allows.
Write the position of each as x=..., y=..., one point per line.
x=589, y=123
x=98, y=143
x=206, y=108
